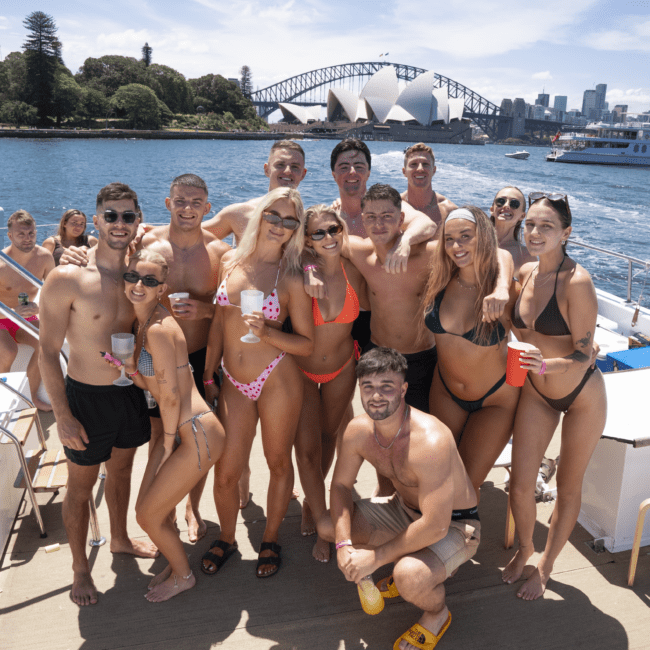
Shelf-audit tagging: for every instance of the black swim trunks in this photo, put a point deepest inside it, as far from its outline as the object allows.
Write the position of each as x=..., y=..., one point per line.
x=419, y=375
x=197, y=361
x=113, y=416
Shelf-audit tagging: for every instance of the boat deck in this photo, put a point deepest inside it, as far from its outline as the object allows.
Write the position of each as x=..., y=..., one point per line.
x=307, y=605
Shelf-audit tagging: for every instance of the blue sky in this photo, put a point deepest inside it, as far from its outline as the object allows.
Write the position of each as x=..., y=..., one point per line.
x=507, y=48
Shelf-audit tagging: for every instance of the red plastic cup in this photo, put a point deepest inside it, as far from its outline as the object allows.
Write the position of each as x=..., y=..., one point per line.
x=515, y=374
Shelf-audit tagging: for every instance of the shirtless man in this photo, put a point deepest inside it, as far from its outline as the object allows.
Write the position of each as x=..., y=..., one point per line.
x=97, y=421
x=21, y=230
x=193, y=256
x=284, y=168
x=419, y=169
x=429, y=526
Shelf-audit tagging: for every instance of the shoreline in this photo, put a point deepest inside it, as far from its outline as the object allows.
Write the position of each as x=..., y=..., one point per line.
x=128, y=134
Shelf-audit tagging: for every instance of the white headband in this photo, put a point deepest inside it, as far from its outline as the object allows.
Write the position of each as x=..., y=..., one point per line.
x=461, y=213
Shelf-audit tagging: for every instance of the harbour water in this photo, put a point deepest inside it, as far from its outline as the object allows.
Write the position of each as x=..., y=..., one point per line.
x=609, y=204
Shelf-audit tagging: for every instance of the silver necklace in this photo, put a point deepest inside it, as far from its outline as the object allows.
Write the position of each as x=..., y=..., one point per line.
x=464, y=287
x=374, y=427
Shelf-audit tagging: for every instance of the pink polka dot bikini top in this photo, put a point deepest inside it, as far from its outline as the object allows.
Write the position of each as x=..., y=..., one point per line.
x=270, y=307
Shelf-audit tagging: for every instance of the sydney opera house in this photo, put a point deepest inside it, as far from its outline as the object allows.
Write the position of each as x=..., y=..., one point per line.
x=381, y=102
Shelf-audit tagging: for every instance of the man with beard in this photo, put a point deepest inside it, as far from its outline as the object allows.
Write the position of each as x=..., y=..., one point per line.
x=429, y=526
x=96, y=420
x=21, y=230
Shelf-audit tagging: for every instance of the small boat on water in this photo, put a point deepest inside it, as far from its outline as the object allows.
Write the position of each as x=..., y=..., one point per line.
x=519, y=155
x=604, y=144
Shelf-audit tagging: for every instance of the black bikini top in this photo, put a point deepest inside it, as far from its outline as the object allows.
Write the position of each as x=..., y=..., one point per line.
x=550, y=322
x=432, y=321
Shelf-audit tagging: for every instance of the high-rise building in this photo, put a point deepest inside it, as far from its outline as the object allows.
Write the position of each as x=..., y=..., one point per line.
x=620, y=112
x=519, y=117
x=542, y=99
x=589, y=104
x=559, y=103
x=601, y=91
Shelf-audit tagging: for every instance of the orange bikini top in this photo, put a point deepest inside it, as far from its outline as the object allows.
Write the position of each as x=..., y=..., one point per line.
x=350, y=309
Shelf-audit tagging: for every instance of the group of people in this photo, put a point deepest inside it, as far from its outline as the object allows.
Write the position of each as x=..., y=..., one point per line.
x=430, y=294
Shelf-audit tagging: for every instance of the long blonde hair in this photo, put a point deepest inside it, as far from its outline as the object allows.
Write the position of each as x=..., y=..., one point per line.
x=486, y=268
x=292, y=249
x=320, y=210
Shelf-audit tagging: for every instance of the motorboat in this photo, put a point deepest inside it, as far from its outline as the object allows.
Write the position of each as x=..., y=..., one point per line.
x=519, y=155
x=604, y=144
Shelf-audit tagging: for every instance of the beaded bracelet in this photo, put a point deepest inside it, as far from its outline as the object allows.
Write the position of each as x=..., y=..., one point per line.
x=310, y=267
x=208, y=383
x=130, y=375
x=542, y=370
x=342, y=543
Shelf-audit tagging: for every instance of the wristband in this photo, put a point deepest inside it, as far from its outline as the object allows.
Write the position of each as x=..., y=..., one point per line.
x=209, y=382
x=310, y=267
x=342, y=543
x=170, y=434
x=542, y=370
x=130, y=375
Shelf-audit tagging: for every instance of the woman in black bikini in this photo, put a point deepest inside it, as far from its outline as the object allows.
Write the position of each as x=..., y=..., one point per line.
x=72, y=232
x=194, y=439
x=469, y=393
x=556, y=312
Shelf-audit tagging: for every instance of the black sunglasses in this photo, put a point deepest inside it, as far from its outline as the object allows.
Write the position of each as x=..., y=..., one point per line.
x=502, y=200
x=551, y=196
x=110, y=216
x=148, y=280
x=317, y=235
x=274, y=219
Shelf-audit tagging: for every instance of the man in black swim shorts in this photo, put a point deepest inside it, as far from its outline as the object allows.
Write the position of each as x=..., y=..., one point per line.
x=96, y=420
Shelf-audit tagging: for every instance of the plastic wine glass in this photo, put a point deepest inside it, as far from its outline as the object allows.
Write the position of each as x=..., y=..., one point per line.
x=251, y=301
x=122, y=346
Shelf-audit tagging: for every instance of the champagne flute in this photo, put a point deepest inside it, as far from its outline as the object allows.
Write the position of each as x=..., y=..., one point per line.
x=251, y=301
x=122, y=346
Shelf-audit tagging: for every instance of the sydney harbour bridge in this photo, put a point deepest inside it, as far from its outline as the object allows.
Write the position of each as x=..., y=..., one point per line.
x=311, y=88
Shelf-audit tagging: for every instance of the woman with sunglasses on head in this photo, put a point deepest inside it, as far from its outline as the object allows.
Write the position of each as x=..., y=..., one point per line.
x=194, y=438
x=507, y=214
x=72, y=232
x=261, y=380
x=556, y=312
x=468, y=392
x=329, y=377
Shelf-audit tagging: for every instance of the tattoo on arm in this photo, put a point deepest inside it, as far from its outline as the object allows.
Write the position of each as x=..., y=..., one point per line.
x=578, y=356
x=160, y=377
x=585, y=342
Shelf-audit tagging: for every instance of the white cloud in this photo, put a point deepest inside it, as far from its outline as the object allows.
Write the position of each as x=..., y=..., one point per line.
x=546, y=75
x=639, y=97
x=633, y=35
x=3, y=23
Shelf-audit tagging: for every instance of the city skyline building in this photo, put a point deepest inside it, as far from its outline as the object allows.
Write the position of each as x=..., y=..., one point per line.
x=542, y=99
x=560, y=103
x=589, y=104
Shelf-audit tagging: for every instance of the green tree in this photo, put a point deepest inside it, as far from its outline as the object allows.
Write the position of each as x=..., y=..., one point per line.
x=146, y=54
x=43, y=50
x=176, y=92
x=108, y=73
x=13, y=77
x=140, y=106
x=246, y=81
x=67, y=96
x=218, y=95
x=18, y=113
x=93, y=103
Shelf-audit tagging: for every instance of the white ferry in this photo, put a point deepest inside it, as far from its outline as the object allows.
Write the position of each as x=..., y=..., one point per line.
x=604, y=144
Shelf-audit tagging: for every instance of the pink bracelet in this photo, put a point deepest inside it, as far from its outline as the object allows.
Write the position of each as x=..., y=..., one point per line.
x=130, y=375
x=342, y=543
x=542, y=370
x=310, y=267
x=208, y=383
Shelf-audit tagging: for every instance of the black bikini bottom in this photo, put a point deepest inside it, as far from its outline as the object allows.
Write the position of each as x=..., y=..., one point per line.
x=562, y=405
x=474, y=405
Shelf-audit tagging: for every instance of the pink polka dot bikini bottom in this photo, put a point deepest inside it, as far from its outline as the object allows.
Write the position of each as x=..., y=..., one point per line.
x=253, y=389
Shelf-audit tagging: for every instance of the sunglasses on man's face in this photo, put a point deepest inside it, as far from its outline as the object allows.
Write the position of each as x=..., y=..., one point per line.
x=111, y=216
x=274, y=219
x=317, y=235
x=148, y=280
x=502, y=200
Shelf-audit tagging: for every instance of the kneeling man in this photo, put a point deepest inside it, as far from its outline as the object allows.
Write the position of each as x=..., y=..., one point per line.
x=429, y=526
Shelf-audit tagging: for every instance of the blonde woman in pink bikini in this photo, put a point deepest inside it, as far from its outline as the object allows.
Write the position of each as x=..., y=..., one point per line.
x=261, y=380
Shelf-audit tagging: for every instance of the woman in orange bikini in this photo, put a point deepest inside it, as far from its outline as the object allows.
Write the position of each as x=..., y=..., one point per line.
x=262, y=380
x=556, y=312
x=329, y=378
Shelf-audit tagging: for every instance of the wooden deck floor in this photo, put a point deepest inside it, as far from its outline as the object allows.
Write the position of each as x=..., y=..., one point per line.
x=307, y=605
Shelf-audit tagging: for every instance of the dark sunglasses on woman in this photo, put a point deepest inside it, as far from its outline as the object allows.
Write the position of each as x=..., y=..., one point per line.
x=317, y=235
x=148, y=280
x=274, y=219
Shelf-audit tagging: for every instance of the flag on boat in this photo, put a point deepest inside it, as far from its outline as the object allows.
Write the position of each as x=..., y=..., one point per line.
x=556, y=137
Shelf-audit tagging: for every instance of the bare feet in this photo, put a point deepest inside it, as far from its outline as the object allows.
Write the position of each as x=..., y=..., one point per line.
x=196, y=527
x=307, y=525
x=41, y=405
x=244, y=488
x=161, y=577
x=138, y=547
x=535, y=586
x=515, y=567
x=321, y=550
x=83, y=590
x=173, y=586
